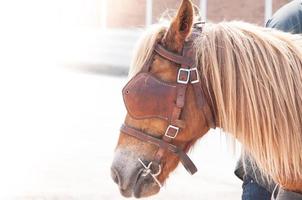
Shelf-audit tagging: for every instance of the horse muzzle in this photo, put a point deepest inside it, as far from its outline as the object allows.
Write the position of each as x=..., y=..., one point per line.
x=134, y=176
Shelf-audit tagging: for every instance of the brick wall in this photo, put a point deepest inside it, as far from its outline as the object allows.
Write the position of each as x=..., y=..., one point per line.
x=278, y=3
x=131, y=13
x=250, y=11
x=126, y=13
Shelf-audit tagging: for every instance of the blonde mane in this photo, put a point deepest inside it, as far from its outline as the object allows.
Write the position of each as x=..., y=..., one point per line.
x=254, y=75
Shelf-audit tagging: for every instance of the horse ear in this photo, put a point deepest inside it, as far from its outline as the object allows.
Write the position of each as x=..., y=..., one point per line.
x=180, y=27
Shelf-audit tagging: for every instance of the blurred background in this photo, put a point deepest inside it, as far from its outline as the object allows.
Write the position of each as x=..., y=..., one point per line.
x=62, y=66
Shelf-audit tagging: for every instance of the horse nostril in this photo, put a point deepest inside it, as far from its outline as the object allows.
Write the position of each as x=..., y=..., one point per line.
x=114, y=175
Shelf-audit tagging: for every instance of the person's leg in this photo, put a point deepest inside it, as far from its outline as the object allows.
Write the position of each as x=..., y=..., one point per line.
x=253, y=191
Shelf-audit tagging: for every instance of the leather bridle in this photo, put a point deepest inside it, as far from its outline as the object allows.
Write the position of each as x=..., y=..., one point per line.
x=187, y=74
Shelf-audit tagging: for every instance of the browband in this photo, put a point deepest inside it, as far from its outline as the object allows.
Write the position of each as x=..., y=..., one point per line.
x=173, y=56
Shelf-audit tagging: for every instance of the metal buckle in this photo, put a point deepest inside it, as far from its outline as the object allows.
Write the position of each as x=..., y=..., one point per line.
x=197, y=75
x=189, y=73
x=188, y=76
x=172, y=127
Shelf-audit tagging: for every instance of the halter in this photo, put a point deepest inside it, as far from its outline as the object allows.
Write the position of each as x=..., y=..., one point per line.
x=145, y=97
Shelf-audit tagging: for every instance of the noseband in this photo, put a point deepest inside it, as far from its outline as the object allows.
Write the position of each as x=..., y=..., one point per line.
x=145, y=97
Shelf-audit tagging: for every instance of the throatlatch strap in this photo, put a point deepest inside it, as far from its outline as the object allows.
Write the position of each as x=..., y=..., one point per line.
x=184, y=158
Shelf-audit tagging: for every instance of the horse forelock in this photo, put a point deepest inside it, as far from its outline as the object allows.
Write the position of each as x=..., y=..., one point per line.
x=144, y=47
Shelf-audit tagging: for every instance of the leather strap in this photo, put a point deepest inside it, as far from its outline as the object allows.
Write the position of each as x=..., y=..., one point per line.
x=173, y=56
x=184, y=158
x=180, y=100
x=201, y=96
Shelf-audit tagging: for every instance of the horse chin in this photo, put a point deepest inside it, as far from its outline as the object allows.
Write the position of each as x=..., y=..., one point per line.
x=145, y=187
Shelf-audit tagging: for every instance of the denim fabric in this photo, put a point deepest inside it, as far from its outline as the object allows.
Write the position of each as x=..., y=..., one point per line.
x=288, y=18
x=253, y=191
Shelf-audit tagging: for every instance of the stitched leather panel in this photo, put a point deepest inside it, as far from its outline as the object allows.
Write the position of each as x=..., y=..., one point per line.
x=145, y=96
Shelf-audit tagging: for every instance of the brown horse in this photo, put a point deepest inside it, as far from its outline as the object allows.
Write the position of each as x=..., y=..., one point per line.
x=187, y=78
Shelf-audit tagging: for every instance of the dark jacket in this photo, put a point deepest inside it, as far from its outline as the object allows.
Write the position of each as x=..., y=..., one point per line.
x=288, y=19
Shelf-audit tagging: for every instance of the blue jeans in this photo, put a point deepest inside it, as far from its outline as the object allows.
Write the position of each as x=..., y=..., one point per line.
x=253, y=191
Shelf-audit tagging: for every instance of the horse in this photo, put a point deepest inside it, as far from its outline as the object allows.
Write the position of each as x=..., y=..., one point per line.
x=188, y=77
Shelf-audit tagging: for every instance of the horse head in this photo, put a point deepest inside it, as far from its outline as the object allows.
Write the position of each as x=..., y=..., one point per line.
x=164, y=101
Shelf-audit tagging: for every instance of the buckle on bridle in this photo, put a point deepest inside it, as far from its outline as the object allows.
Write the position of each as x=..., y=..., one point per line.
x=183, y=70
x=176, y=129
x=188, y=75
x=194, y=70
